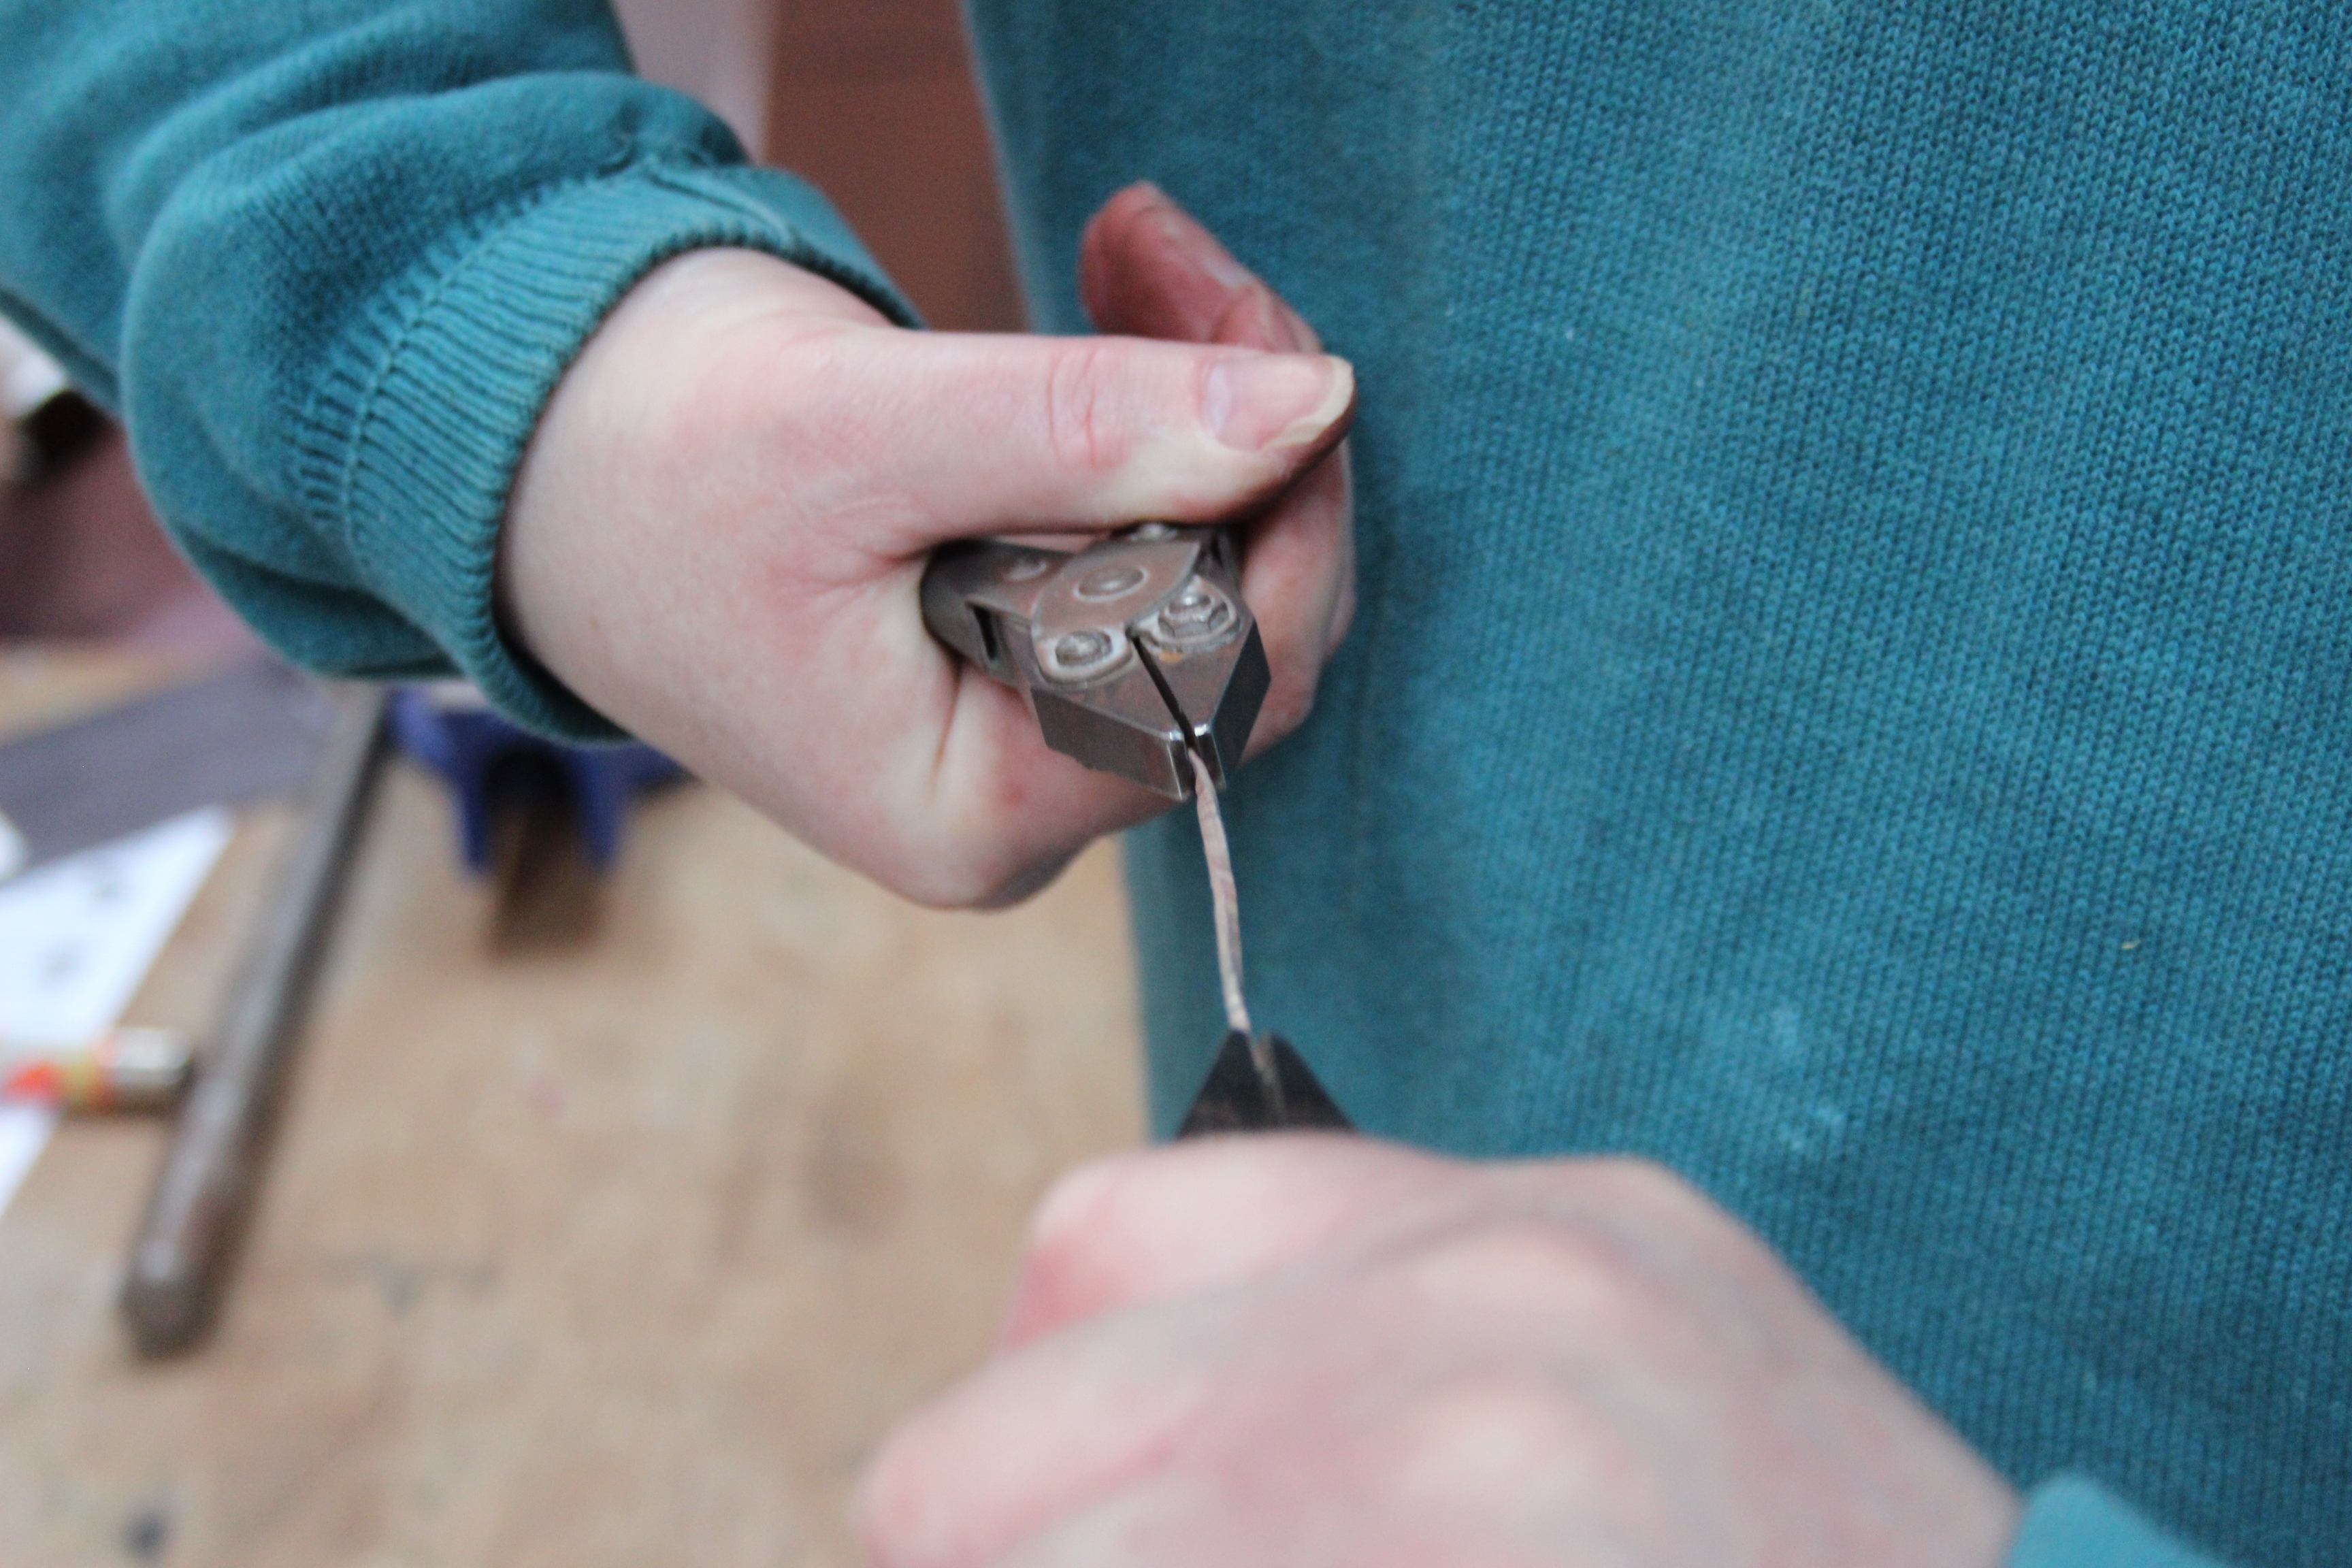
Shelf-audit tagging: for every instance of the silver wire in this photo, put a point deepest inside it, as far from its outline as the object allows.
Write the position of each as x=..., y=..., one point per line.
x=1225, y=895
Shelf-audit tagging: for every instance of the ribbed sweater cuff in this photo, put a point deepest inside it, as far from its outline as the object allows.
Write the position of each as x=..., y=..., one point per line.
x=408, y=451
x=2071, y=1524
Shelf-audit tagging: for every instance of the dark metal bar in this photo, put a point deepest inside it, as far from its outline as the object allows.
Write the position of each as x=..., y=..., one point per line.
x=187, y=1243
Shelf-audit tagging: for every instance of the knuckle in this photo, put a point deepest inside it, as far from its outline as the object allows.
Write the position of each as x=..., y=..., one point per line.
x=1081, y=1205
x=1645, y=1187
x=1521, y=1247
x=1070, y=1252
x=1483, y=1439
x=1642, y=1179
x=1083, y=428
x=1521, y=1258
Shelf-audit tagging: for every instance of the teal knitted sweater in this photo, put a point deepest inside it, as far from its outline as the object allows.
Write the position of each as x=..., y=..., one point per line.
x=1851, y=697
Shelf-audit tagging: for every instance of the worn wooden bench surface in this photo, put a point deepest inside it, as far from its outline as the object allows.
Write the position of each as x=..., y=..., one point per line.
x=614, y=1233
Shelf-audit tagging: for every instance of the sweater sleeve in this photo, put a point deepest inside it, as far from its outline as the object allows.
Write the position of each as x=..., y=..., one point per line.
x=328, y=260
x=2071, y=1524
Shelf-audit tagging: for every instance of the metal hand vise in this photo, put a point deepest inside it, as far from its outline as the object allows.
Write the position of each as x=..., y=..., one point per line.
x=1133, y=651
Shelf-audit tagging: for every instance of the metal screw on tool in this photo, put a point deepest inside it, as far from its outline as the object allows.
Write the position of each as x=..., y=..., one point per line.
x=1073, y=656
x=1196, y=615
x=1108, y=581
x=1195, y=606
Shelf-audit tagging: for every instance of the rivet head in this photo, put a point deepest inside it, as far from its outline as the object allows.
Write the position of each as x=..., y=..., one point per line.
x=1109, y=582
x=1024, y=568
x=1150, y=532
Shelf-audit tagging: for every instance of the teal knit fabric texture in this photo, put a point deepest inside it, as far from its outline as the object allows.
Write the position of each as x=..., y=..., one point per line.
x=1853, y=691
x=2072, y=1524
x=1850, y=696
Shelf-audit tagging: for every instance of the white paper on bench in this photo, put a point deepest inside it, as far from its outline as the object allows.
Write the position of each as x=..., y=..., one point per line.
x=78, y=935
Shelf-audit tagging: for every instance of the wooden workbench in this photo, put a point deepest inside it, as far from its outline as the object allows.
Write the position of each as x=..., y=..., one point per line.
x=617, y=1239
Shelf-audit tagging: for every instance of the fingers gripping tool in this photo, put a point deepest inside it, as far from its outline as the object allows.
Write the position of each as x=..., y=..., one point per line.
x=1139, y=658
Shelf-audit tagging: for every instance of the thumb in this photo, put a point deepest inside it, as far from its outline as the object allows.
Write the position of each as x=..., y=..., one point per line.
x=969, y=433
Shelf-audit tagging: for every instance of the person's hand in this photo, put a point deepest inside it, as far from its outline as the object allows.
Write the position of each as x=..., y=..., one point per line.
x=719, y=532
x=1306, y=1351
